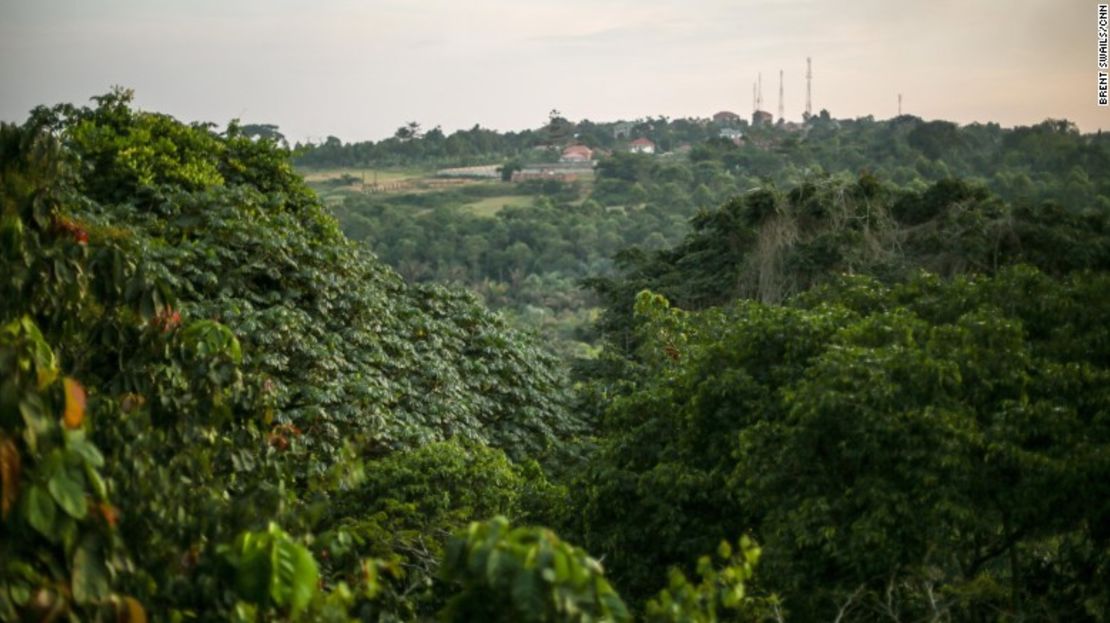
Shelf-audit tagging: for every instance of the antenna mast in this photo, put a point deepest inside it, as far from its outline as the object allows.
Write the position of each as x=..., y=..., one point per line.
x=755, y=99
x=899, y=104
x=759, y=97
x=809, y=87
x=781, y=113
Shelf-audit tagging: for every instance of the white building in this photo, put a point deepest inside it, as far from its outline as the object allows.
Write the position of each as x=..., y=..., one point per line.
x=642, y=146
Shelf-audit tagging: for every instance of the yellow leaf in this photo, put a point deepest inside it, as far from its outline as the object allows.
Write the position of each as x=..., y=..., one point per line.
x=135, y=611
x=46, y=376
x=129, y=610
x=10, y=466
x=75, y=403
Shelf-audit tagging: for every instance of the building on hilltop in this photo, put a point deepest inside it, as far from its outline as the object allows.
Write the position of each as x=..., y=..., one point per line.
x=642, y=146
x=761, y=118
x=577, y=153
x=732, y=134
x=726, y=117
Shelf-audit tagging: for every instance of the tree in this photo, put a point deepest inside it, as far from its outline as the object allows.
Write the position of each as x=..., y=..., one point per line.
x=408, y=132
x=897, y=446
x=935, y=139
x=506, y=170
x=501, y=573
x=558, y=129
x=264, y=131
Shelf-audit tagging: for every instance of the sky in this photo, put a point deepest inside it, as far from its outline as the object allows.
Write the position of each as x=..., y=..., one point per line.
x=358, y=69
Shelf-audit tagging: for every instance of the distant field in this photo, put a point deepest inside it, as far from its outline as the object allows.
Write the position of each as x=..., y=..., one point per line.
x=332, y=189
x=382, y=176
x=326, y=182
x=492, y=205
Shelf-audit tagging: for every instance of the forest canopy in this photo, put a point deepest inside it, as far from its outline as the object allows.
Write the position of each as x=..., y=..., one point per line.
x=854, y=372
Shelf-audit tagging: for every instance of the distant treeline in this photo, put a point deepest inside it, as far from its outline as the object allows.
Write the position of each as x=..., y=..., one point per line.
x=535, y=256
x=1017, y=162
x=410, y=146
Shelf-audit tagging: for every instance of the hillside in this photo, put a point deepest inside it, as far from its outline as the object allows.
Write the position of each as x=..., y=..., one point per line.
x=800, y=391
x=235, y=347
x=529, y=260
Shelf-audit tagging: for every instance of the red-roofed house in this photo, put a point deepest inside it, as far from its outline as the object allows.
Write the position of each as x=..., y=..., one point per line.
x=642, y=146
x=577, y=153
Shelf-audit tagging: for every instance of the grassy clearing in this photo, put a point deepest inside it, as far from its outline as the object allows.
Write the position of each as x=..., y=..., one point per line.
x=383, y=176
x=492, y=205
x=332, y=188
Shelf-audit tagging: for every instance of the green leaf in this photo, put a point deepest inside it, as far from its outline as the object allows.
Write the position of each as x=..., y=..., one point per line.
x=294, y=575
x=273, y=569
x=36, y=418
x=82, y=447
x=253, y=574
x=244, y=613
x=90, y=575
x=305, y=579
x=724, y=550
x=69, y=494
x=39, y=511
x=96, y=482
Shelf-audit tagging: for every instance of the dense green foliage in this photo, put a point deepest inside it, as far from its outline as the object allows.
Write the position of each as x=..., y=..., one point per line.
x=938, y=448
x=529, y=574
x=526, y=575
x=214, y=405
x=768, y=245
x=183, y=224
x=57, y=516
x=232, y=340
x=527, y=261
x=860, y=195
x=407, y=503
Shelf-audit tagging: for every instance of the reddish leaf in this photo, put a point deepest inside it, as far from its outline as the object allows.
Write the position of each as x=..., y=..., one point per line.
x=10, y=467
x=109, y=512
x=75, y=403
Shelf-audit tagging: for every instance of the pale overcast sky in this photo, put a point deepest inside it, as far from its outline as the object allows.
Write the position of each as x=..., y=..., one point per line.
x=360, y=68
